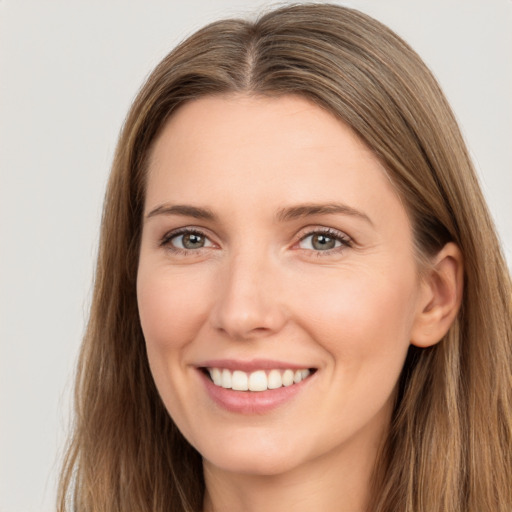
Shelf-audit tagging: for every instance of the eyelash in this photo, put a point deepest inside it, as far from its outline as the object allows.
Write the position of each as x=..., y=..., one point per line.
x=168, y=237
x=344, y=240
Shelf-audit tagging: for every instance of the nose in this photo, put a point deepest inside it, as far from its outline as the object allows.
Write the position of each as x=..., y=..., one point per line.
x=249, y=303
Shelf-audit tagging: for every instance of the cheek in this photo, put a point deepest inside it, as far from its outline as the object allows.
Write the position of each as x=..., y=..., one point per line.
x=171, y=313
x=364, y=320
x=363, y=324
x=171, y=307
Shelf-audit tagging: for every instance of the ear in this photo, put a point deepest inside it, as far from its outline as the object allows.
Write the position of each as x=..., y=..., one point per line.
x=440, y=297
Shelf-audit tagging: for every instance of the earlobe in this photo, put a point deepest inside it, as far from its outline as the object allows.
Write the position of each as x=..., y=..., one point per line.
x=440, y=297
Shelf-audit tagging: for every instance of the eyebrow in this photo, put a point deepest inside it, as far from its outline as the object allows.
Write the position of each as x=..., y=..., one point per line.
x=183, y=210
x=310, y=209
x=282, y=215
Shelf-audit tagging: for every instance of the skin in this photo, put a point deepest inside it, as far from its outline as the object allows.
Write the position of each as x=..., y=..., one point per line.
x=260, y=288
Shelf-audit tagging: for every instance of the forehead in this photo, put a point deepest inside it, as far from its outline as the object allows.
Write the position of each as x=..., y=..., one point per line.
x=254, y=150
x=246, y=121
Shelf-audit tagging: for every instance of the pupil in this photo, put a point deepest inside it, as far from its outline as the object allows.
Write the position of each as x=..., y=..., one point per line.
x=193, y=241
x=323, y=242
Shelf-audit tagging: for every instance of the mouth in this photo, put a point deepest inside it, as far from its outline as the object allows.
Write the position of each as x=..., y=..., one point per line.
x=258, y=386
x=258, y=380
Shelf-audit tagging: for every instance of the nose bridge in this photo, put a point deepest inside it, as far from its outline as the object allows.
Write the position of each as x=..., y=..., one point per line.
x=248, y=304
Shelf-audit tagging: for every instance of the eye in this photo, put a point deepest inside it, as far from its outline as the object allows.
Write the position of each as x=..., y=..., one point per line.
x=187, y=240
x=324, y=241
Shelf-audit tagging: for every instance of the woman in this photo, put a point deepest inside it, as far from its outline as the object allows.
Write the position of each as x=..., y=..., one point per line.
x=300, y=299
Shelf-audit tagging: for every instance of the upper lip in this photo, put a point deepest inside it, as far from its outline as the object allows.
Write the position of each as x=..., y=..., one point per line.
x=252, y=365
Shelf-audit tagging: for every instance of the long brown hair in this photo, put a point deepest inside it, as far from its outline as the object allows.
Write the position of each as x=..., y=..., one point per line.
x=450, y=442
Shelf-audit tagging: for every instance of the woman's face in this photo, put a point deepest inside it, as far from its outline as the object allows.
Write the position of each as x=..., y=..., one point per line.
x=274, y=247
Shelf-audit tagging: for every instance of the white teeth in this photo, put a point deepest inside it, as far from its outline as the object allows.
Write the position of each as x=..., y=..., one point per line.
x=216, y=376
x=259, y=380
x=288, y=378
x=274, y=379
x=240, y=381
x=226, y=379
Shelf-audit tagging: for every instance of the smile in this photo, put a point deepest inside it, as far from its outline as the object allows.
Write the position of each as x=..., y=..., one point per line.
x=259, y=380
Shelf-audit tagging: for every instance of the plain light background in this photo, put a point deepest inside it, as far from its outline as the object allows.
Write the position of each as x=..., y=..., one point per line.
x=68, y=73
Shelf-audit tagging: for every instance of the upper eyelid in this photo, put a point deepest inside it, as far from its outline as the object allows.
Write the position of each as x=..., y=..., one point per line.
x=312, y=230
x=186, y=229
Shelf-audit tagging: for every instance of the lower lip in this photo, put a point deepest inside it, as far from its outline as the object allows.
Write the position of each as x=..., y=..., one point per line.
x=252, y=402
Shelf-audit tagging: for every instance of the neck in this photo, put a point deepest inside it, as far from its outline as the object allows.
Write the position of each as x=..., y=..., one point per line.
x=338, y=481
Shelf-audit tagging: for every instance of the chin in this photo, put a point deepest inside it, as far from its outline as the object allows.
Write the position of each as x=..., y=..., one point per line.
x=266, y=465
x=260, y=459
